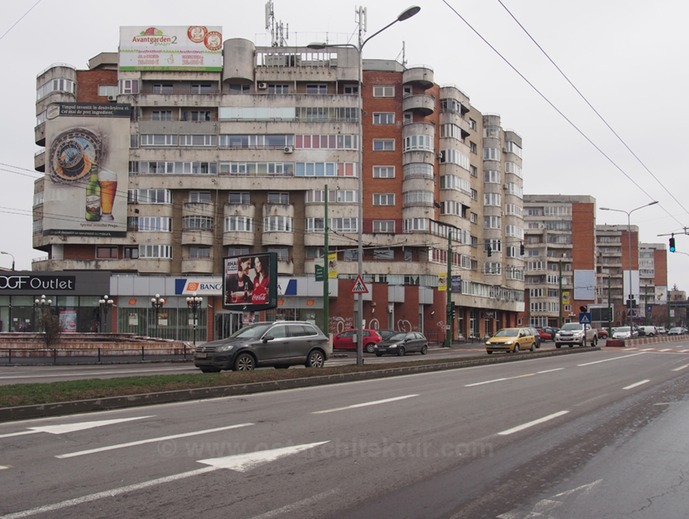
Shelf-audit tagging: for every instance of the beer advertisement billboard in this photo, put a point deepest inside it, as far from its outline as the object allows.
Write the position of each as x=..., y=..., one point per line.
x=87, y=157
x=250, y=282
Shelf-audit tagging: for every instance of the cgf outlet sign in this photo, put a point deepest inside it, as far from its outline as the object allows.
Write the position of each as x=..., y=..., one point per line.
x=32, y=282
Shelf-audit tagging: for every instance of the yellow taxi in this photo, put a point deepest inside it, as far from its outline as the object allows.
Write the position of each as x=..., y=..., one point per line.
x=511, y=340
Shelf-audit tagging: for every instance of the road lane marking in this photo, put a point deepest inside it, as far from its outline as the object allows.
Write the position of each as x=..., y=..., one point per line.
x=365, y=404
x=637, y=384
x=680, y=368
x=549, y=370
x=250, y=460
x=71, y=427
x=150, y=440
x=296, y=506
x=609, y=360
x=532, y=423
x=500, y=379
x=666, y=349
x=261, y=457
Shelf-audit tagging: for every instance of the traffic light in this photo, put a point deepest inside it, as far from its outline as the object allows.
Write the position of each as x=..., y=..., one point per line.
x=521, y=249
x=672, y=243
x=583, y=309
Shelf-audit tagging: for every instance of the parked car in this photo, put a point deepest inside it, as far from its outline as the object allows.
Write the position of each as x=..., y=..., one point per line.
x=602, y=333
x=511, y=340
x=661, y=330
x=676, y=330
x=623, y=332
x=386, y=333
x=576, y=333
x=647, y=331
x=538, y=337
x=279, y=344
x=402, y=343
x=347, y=340
x=552, y=330
x=545, y=336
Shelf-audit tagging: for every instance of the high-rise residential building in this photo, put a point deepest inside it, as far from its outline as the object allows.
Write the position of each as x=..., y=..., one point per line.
x=160, y=164
x=653, y=282
x=560, y=243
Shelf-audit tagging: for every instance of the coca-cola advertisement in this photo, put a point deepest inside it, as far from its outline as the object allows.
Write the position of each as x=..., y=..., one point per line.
x=250, y=282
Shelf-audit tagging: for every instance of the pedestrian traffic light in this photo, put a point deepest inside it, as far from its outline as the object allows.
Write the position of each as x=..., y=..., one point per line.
x=521, y=249
x=672, y=243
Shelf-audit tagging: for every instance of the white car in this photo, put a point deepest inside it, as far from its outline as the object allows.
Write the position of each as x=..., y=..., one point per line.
x=576, y=333
x=623, y=332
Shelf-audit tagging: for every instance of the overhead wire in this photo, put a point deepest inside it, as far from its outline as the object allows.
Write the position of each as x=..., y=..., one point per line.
x=615, y=133
x=554, y=107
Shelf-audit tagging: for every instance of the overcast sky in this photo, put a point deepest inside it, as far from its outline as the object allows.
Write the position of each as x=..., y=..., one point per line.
x=628, y=58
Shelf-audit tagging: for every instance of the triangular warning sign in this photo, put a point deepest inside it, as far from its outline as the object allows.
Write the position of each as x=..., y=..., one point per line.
x=359, y=286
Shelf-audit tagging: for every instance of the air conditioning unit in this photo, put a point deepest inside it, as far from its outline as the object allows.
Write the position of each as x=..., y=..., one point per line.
x=288, y=149
x=262, y=86
x=112, y=98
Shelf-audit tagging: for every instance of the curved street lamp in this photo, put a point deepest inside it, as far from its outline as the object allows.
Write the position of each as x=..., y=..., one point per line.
x=630, y=319
x=11, y=255
x=404, y=15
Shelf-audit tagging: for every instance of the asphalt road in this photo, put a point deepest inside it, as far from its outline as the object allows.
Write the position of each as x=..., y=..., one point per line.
x=564, y=436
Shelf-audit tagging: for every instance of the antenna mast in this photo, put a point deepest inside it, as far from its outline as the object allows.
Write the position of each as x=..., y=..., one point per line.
x=279, y=32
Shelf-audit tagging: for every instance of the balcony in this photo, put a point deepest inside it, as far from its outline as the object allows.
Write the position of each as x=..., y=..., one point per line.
x=39, y=161
x=420, y=104
x=197, y=237
x=197, y=265
x=421, y=76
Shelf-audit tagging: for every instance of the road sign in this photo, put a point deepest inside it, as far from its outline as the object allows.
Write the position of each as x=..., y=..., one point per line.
x=585, y=318
x=359, y=286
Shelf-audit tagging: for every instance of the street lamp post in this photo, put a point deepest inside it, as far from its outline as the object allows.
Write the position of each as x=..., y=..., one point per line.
x=157, y=303
x=630, y=319
x=105, y=304
x=9, y=305
x=404, y=15
x=194, y=303
x=44, y=305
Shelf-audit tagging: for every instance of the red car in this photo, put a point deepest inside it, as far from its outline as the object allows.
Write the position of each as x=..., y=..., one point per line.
x=346, y=340
x=545, y=336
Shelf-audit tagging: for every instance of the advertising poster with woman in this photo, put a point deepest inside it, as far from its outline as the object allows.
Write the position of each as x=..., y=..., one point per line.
x=250, y=282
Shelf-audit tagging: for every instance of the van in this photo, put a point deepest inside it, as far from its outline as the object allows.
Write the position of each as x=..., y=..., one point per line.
x=648, y=331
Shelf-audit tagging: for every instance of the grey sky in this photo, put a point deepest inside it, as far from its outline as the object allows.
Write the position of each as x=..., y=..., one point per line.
x=628, y=57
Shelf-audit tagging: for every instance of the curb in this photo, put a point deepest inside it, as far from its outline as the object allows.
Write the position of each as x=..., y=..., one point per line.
x=9, y=414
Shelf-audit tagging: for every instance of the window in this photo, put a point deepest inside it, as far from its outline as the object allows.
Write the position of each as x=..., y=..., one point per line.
x=238, y=198
x=239, y=224
x=198, y=252
x=277, y=224
x=155, y=251
x=149, y=196
x=157, y=140
x=384, y=226
x=383, y=117
x=383, y=144
x=317, y=88
x=278, y=89
x=383, y=91
x=197, y=223
x=202, y=88
x=161, y=115
x=240, y=89
x=278, y=198
x=491, y=154
x=200, y=197
x=106, y=252
x=473, y=148
x=131, y=252
x=383, y=171
x=162, y=88
x=384, y=199
x=283, y=255
x=196, y=115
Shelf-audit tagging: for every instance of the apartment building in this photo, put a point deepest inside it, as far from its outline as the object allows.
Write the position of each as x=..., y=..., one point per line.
x=227, y=148
x=653, y=293
x=560, y=247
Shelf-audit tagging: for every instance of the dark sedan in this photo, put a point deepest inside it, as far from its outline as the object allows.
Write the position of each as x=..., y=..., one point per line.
x=401, y=343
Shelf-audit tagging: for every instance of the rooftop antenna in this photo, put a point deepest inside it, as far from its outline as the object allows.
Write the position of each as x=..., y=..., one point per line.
x=279, y=32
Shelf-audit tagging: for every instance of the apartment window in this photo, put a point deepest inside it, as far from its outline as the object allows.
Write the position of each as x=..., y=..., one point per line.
x=238, y=198
x=281, y=252
x=198, y=140
x=155, y=251
x=277, y=224
x=240, y=89
x=383, y=117
x=383, y=171
x=278, y=89
x=129, y=86
x=239, y=224
x=472, y=124
x=200, y=197
x=196, y=115
x=384, y=199
x=383, y=91
x=350, y=89
x=161, y=115
x=384, y=226
x=158, y=140
x=473, y=148
x=383, y=144
x=491, y=154
x=150, y=196
x=317, y=88
x=202, y=88
x=106, y=252
x=491, y=176
x=197, y=223
x=131, y=252
x=278, y=198
x=198, y=252
x=162, y=88
x=154, y=224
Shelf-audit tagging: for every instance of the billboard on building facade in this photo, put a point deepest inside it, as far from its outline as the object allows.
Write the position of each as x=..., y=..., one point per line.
x=250, y=282
x=194, y=47
x=87, y=157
